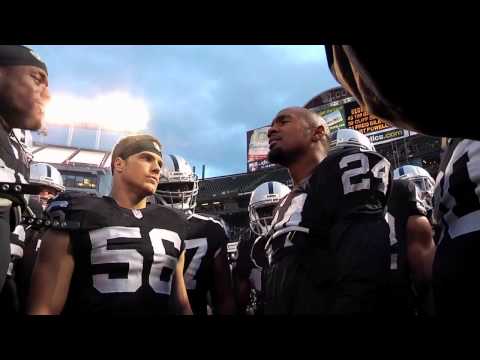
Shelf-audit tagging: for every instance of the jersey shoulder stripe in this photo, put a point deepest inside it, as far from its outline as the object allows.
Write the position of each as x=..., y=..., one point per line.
x=207, y=218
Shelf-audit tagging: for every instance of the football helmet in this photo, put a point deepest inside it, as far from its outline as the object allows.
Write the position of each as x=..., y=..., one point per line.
x=348, y=138
x=48, y=176
x=262, y=203
x=422, y=179
x=178, y=185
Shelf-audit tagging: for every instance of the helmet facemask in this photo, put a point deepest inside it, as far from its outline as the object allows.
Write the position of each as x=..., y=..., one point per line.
x=43, y=198
x=49, y=181
x=179, y=193
x=425, y=187
x=261, y=216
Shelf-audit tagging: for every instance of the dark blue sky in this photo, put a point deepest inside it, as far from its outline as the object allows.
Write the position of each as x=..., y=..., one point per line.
x=202, y=99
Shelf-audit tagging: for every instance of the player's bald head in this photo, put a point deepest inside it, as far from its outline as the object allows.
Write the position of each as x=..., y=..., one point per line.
x=311, y=117
x=297, y=133
x=312, y=120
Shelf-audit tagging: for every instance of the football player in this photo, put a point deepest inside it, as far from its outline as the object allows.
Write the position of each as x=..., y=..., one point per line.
x=114, y=255
x=23, y=96
x=424, y=182
x=248, y=269
x=206, y=269
x=26, y=238
x=328, y=248
x=457, y=211
x=411, y=242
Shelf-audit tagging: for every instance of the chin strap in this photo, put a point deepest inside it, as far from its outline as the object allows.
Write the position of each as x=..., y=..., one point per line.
x=49, y=223
x=19, y=188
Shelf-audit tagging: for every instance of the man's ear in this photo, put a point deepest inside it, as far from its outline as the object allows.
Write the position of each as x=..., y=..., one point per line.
x=318, y=133
x=119, y=164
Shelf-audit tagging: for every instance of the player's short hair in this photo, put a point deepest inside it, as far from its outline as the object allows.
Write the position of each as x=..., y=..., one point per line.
x=133, y=144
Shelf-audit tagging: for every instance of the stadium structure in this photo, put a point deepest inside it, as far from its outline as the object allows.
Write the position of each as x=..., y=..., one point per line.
x=81, y=169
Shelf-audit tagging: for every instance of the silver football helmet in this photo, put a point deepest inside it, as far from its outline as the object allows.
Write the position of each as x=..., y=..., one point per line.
x=178, y=185
x=422, y=179
x=47, y=176
x=262, y=203
x=350, y=138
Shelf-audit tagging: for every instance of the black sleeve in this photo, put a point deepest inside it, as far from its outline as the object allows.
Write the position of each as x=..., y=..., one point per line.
x=219, y=236
x=9, y=298
x=185, y=230
x=4, y=243
x=408, y=191
x=23, y=272
x=244, y=264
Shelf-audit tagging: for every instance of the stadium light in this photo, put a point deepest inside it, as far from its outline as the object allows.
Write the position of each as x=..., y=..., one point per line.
x=114, y=111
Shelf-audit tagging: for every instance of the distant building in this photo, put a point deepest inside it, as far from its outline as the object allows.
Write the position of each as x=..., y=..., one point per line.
x=82, y=169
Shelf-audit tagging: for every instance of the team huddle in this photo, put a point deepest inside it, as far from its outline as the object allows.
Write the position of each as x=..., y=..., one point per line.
x=351, y=236
x=143, y=250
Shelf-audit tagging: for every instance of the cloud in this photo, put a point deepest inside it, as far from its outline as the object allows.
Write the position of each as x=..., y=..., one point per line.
x=202, y=99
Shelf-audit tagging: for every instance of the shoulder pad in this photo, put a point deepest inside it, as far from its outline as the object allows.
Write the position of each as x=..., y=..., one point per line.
x=76, y=209
x=215, y=221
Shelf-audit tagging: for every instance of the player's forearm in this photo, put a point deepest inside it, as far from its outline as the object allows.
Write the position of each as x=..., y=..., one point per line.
x=47, y=301
x=180, y=305
x=52, y=274
x=49, y=285
x=185, y=309
x=420, y=248
x=420, y=260
x=42, y=300
x=179, y=297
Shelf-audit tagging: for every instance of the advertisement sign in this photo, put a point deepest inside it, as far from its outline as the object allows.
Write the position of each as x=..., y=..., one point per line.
x=257, y=149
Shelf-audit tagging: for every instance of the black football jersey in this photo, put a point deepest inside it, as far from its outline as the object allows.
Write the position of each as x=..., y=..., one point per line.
x=24, y=268
x=124, y=258
x=9, y=296
x=348, y=182
x=13, y=169
x=17, y=247
x=456, y=196
x=33, y=239
x=404, y=202
x=14, y=162
x=457, y=211
x=208, y=238
x=246, y=266
x=20, y=260
x=250, y=262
